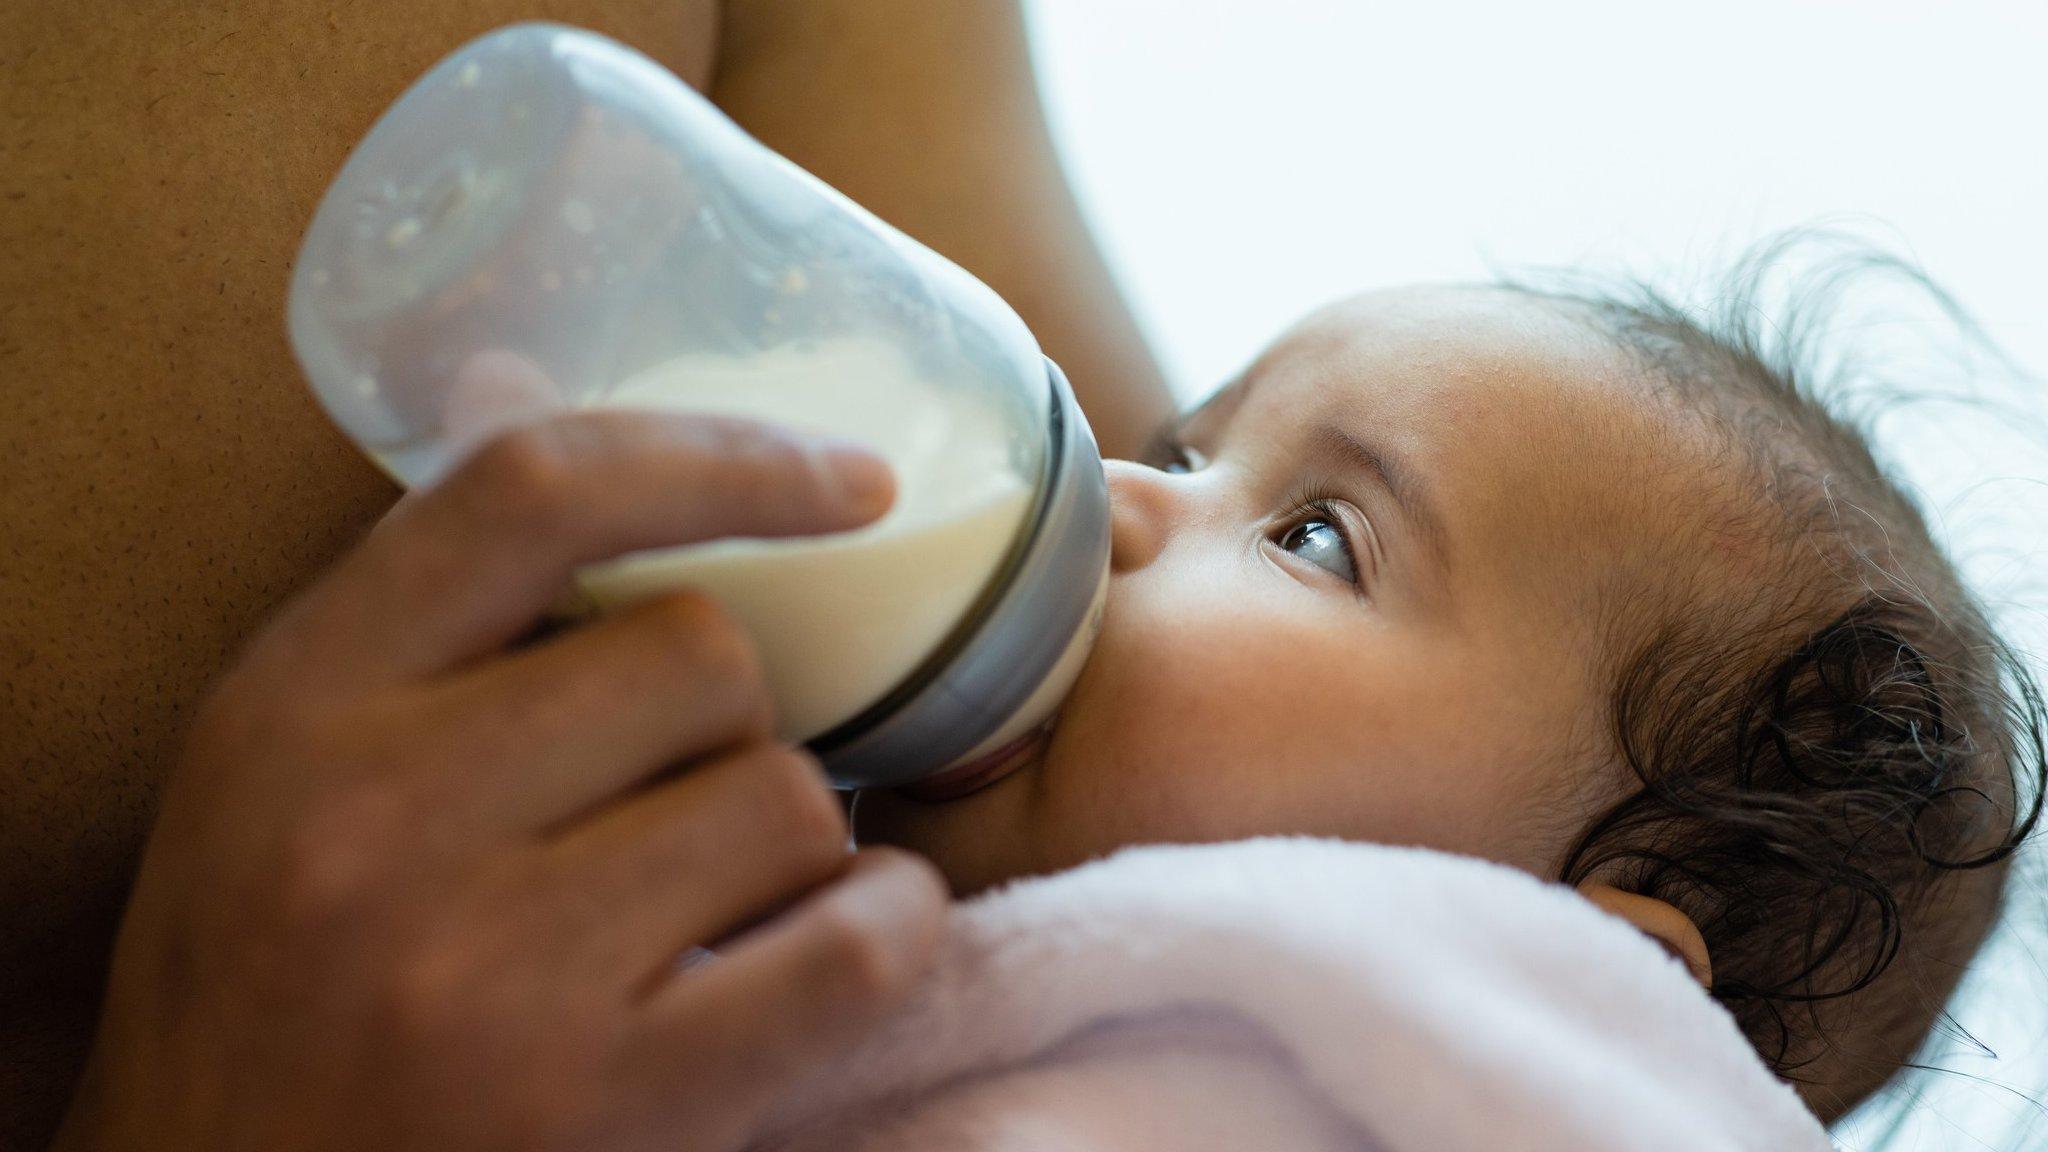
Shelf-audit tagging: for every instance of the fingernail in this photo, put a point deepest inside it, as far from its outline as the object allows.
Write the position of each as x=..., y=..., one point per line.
x=862, y=479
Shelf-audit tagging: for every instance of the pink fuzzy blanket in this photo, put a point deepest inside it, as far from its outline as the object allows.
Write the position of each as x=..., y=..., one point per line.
x=1300, y=994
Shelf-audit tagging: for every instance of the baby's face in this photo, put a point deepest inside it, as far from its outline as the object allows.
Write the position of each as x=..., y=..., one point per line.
x=1356, y=607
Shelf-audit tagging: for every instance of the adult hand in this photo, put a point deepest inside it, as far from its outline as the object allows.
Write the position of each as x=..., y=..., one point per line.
x=411, y=889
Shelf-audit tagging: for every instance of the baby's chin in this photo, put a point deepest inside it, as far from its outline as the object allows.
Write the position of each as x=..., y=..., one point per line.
x=976, y=840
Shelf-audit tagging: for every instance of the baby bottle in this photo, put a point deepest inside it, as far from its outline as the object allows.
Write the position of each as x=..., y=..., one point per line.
x=550, y=221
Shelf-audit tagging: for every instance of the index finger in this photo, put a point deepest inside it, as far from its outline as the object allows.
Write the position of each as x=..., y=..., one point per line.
x=462, y=568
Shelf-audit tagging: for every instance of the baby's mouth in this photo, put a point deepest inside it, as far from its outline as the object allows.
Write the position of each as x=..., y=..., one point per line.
x=981, y=771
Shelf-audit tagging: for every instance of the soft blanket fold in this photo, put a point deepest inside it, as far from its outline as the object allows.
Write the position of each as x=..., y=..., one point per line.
x=1298, y=993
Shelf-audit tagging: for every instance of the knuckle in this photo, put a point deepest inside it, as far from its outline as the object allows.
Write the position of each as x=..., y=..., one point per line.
x=902, y=861
x=524, y=476
x=812, y=822
x=713, y=649
x=425, y=997
x=693, y=623
x=859, y=962
x=333, y=859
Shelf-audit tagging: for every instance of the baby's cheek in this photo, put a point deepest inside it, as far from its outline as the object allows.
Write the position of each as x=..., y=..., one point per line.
x=1134, y=730
x=1205, y=710
x=1172, y=755
x=1175, y=664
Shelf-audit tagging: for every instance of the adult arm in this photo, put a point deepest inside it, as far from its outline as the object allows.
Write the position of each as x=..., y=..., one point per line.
x=927, y=113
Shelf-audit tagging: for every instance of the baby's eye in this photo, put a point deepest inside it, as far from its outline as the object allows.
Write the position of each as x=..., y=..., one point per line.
x=1317, y=539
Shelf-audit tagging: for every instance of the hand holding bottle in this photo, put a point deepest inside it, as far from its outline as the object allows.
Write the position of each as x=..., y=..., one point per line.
x=412, y=890
x=554, y=199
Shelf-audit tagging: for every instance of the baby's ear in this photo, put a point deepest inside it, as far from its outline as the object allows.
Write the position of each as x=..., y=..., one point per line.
x=1661, y=922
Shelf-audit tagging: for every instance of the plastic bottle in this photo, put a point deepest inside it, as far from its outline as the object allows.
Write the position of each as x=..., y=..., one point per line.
x=549, y=221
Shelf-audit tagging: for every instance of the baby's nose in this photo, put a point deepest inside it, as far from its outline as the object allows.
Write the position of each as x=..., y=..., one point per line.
x=1141, y=513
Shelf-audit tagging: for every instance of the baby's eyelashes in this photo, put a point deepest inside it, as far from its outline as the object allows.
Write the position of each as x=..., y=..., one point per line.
x=1321, y=543
x=1316, y=532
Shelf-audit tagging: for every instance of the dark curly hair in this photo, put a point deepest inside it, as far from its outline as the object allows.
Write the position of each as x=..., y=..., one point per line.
x=1834, y=761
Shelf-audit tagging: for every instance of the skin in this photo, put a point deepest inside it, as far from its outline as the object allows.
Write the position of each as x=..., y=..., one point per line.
x=417, y=885
x=166, y=480
x=1449, y=699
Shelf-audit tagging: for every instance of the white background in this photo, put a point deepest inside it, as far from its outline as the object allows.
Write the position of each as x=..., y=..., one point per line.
x=1245, y=161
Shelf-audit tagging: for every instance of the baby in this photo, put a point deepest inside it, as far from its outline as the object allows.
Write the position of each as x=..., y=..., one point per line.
x=1579, y=585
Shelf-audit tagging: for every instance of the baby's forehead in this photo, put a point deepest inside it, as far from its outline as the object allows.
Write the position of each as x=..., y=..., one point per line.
x=1556, y=449
x=1462, y=329
x=1446, y=367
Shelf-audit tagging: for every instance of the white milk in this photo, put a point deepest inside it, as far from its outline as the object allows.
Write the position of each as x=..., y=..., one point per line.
x=840, y=619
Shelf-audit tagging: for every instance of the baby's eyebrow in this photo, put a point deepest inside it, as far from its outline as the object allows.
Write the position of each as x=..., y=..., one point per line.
x=1406, y=484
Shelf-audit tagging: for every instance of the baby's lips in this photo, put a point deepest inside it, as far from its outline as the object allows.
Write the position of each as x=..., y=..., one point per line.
x=980, y=772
